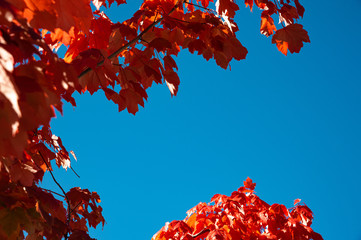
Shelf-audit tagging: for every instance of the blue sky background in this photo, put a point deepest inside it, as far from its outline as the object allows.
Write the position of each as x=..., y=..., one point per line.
x=291, y=123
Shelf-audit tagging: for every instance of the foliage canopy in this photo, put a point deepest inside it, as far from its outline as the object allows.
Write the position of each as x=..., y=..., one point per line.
x=131, y=55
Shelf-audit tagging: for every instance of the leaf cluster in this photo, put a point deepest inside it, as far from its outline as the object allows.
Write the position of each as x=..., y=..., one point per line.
x=243, y=215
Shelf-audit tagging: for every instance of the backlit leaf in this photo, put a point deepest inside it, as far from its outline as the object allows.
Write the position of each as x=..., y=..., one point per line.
x=290, y=38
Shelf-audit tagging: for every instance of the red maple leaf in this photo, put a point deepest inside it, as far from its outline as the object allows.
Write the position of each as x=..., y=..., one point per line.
x=300, y=8
x=160, y=44
x=290, y=38
x=249, y=184
x=227, y=8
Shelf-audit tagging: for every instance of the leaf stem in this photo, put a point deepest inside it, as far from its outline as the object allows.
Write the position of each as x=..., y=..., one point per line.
x=66, y=197
x=74, y=172
x=48, y=190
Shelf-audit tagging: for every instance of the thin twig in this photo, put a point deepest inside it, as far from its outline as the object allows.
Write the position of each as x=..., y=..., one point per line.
x=52, y=192
x=76, y=206
x=74, y=171
x=130, y=42
x=66, y=197
x=180, y=20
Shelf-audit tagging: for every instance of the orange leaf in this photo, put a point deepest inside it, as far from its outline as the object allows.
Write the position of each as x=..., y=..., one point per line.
x=40, y=14
x=191, y=221
x=249, y=3
x=267, y=25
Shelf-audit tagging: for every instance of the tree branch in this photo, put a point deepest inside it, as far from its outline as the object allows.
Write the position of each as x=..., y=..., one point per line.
x=132, y=41
x=66, y=197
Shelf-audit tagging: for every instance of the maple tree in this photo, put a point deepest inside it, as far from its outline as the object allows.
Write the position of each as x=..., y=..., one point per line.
x=243, y=215
x=131, y=55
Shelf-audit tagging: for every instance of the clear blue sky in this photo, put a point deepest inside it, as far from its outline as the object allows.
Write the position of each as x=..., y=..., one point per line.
x=292, y=124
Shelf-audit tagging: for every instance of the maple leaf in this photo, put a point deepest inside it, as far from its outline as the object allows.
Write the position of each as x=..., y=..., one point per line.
x=79, y=44
x=226, y=8
x=116, y=98
x=79, y=234
x=38, y=13
x=296, y=201
x=132, y=99
x=81, y=199
x=172, y=81
x=169, y=62
x=44, y=19
x=62, y=36
x=234, y=49
x=249, y=3
x=8, y=94
x=290, y=38
x=262, y=4
x=300, y=8
x=249, y=184
x=196, y=45
x=152, y=73
x=160, y=44
x=10, y=221
x=48, y=204
x=288, y=14
x=35, y=98
x=267, y=25
x=73, y=14
x=205, y=3
x=23, y=173
x=101, y=30
x=207, y=54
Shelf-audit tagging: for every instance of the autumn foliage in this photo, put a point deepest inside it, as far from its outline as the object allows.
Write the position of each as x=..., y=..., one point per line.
x=105, y=55
x=243, y=215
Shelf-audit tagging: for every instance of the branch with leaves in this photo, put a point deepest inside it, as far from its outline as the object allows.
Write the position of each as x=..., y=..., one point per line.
x=136, y=39
x=133, y=54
